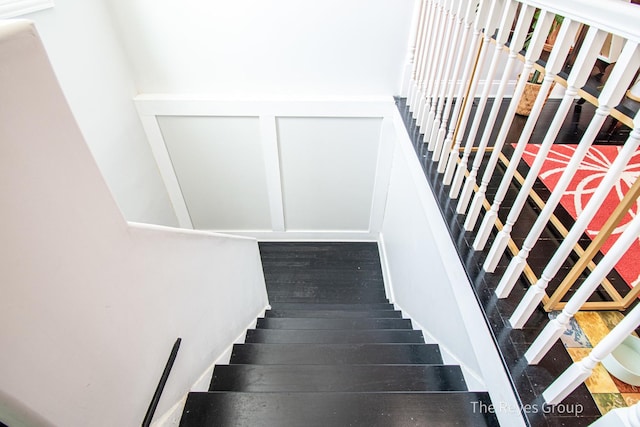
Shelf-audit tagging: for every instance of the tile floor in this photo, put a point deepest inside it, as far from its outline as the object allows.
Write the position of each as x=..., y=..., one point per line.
x=587, y=329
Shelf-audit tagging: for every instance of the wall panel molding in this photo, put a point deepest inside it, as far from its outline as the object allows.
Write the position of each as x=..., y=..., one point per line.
x=15, y=8
x=153, y=108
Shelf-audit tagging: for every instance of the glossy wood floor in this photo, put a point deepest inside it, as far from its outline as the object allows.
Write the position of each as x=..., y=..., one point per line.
x=528, y=381
x=332, y=351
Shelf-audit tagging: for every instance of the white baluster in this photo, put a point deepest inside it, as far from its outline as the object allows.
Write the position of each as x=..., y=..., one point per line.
x=517, y=42
x=517, y=264
x=461, y=169
x=444, y=79
x=436, y=42
x=443, y=49
x=556, y=60
x=611, y=94
x=577, y=373
x=491, y=23
x=534, y=295
x=424, y=57
x=533, y=53
x=620, y=417
x=417, y=27
x=503, y=33
x=467, y=50
x=556, y=327
x=451, y=77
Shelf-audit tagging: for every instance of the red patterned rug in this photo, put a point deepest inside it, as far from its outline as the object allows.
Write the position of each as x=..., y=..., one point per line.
x=590, y=173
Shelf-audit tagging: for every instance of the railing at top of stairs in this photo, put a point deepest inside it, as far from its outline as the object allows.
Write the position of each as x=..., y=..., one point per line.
x=464, y=51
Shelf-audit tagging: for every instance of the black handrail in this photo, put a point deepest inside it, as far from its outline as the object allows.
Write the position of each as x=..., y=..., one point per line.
x=163, y=380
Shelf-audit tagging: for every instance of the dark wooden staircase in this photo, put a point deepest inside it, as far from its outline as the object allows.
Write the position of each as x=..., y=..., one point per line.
x=332, y=351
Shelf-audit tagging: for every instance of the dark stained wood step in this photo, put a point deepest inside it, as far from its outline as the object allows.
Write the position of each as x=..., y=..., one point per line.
x=337, y=378
x=296, y=283
x=330, y=278
x=319, y=306
x=327, y=295
x=325, y=354
x=285, y=336
x=232, y=409
x=315, y=323
x=332, y=314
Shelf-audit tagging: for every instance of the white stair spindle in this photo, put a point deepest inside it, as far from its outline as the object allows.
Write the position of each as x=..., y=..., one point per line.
x=446, y=80
x=443, y=59
x=417, y=26
x=580, y=371
x=517, y=42
x=435, y=48
x=558, y=55
x=556, y=327
x=534, y=295
x=468, y=51
x=611, y=94
x=505, y=23
x=534, y=50
x=491, y=23
x=425, y=53
x=451, y=78
x=428, y=115
x=620, y=417
x=517, y=264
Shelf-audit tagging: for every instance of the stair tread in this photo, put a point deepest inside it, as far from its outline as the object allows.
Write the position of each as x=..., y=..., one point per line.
x=337, y=306
x=388, y=314
x=313, y=323
x=233, y=409
x=329, y=378
x=333, y=336
x=335, y=353
x=275, y=297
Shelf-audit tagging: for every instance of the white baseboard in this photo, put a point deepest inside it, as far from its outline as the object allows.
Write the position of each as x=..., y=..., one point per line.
x=172, y=416
x=308, y=236
x=472, y=378
x=386, y=273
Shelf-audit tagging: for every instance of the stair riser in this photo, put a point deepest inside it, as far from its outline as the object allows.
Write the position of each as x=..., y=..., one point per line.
x=340, y=378
x=334, y=314
x=337, y=354
x=328, y=337
x=337, y=409
x=330, y=307
x=349, y=324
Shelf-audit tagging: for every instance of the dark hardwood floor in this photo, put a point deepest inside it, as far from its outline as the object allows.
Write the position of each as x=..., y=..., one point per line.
x=528, y=381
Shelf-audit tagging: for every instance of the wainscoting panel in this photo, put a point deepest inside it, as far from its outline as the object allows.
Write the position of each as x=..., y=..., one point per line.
x=219, y=164
x=274, y=169
x=328, y=168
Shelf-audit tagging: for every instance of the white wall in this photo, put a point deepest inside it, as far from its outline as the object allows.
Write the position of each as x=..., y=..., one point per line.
x=418, y=271
x=97, y=80
x=91, y=304
x=277, y=47
x=428, y=282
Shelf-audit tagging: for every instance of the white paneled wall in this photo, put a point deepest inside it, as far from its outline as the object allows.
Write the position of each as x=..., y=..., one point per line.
x=219, y=164
x=318, y=156
x=276, y=169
